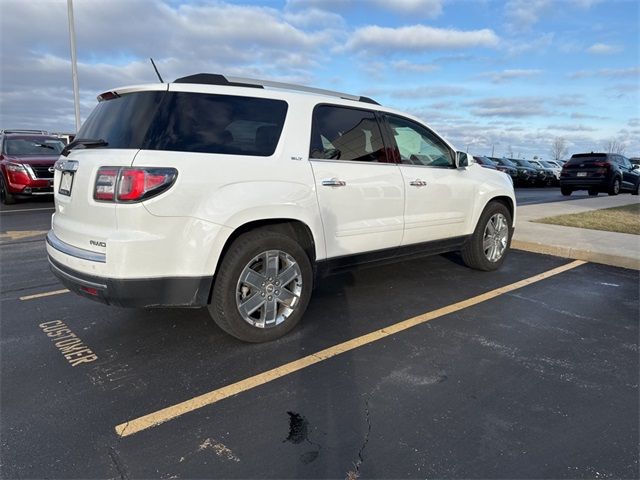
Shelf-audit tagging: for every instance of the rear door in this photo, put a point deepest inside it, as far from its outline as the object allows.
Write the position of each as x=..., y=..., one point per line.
x=438, y=197
x=360, y=194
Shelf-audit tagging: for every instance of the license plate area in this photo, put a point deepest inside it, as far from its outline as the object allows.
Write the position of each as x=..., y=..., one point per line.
x=66, y=183
x=581, y=174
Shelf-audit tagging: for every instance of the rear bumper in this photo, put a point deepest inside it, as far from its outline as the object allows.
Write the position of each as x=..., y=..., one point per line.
x=139, y=292
x=579, y=183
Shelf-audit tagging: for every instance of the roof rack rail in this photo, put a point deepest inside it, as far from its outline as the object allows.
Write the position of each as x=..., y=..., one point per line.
x=22, y=130
x=217, y=79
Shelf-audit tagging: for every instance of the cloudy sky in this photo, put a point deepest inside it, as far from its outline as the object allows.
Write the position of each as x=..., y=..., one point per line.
x=509, y=76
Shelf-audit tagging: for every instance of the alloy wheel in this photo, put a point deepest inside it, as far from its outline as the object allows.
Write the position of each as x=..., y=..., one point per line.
x=496, y=237
x=269, y=288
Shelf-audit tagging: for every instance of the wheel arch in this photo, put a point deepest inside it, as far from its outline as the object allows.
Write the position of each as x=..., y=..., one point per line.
x=289, y=226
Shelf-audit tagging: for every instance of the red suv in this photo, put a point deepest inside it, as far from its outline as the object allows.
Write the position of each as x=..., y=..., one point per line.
x=26, y=163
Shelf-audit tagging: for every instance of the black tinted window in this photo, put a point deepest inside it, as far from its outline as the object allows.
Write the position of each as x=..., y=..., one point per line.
x=188, y=122
x=346, y=134
x=194, y=122
x=122, y=121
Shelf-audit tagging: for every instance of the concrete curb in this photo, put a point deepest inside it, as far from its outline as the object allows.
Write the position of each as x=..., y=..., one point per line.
x=576, y=254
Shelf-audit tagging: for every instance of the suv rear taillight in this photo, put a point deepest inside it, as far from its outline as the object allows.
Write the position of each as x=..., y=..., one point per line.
x=129, y=185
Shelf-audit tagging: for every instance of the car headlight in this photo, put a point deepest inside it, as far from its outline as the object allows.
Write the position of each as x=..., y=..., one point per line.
x=16, y=167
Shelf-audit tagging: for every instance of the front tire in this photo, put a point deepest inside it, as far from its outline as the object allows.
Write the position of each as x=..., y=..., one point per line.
x=263, y=286
x=5, y=196
x=636, y=191
x=490, y=242
x=615, y=187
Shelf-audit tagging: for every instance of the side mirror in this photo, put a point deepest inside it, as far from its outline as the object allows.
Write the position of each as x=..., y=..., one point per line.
x=462, y=160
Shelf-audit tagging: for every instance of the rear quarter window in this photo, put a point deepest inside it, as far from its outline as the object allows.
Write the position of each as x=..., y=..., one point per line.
x=225, y=124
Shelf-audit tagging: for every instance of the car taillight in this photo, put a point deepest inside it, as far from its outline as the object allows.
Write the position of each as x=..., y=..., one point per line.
x=132, y=184
x=105, y=188
x=601, y=164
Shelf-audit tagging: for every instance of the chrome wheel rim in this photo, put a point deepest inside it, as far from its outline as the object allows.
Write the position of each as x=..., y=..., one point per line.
x=616, y=186
x=269, y=289
x=496, y=237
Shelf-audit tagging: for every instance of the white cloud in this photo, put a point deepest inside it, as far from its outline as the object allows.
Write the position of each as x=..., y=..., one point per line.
x=511, y=74
x=315, y=18
x=607, y=72
x=572, y=128
x=418, y=38
x=419, y=8
x=407, y=66
x=508, y=107
x=603, y=49
x=522, y=14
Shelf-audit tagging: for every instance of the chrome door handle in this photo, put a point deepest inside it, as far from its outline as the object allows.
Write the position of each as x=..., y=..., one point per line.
x=418, y=183
x=334, y=182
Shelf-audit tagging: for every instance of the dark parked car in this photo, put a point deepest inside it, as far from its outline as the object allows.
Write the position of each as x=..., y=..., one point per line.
x=485, y=162
x=526, y=176
x=26, y=163
x=543, y=176
x=511, y=171
x=599, y=172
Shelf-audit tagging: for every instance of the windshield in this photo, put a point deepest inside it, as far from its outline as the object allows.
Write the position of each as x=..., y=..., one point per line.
x=524, y=163
x=549, y=164
x=504, y=161
x=33, y=146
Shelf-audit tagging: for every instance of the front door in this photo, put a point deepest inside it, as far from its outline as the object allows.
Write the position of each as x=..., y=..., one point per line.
x=438, y=196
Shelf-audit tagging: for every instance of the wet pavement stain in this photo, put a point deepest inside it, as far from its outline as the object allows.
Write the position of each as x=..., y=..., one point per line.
x=298, y=428
x=299, y=433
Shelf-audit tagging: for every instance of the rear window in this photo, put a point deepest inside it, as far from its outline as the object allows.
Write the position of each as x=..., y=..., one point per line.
x=33, y=146
x=189, y=122
x=588, y=157
x=123, y=121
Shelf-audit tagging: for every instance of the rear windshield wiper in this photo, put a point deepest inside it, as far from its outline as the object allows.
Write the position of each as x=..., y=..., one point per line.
x=85, y=142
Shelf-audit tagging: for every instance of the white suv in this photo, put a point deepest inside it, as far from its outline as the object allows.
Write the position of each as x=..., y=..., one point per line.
x=236, y=195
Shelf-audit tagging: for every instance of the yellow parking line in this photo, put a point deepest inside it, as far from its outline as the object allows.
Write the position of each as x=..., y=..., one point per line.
x=156, y=418
x=44, y=294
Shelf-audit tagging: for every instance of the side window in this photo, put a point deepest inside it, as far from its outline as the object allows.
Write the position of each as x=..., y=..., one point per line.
x=626, y=162
x=418, y=145
x=341, y=133
x=226, y=124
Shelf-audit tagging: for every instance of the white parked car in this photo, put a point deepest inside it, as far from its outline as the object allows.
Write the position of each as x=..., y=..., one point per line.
x=549, y=165
x=236, y=195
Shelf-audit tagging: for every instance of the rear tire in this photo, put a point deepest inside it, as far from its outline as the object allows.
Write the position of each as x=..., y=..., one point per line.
x=593, y=192
x=566, y=191
x=243, y=276
x=615, y=187
x=636, y=191
x=489, y=245
x=5, y=196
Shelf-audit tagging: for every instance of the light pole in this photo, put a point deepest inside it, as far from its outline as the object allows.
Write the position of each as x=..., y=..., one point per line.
x=74, y=63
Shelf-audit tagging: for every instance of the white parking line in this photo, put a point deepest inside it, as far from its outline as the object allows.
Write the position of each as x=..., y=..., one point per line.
x=44, y=294
x=27, y=210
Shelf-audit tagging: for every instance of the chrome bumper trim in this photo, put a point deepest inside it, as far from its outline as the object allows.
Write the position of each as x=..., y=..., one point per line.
x=65, y=248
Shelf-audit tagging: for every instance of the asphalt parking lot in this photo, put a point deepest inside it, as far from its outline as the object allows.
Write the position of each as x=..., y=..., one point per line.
x=420, y=369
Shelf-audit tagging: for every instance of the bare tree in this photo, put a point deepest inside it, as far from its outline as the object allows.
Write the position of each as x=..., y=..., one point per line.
x=615, y=146
x=559, y=148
